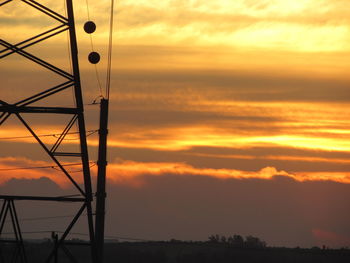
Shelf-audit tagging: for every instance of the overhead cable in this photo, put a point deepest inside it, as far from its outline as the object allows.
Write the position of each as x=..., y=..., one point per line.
x=110, y=46
x=89, y=132
x=40, y=167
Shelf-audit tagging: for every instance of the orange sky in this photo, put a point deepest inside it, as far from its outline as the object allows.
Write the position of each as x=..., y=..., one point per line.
x=226, y=89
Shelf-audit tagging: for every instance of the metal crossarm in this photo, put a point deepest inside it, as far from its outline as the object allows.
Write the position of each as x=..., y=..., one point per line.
x=46, y=10
x=36, y=60
x=46, y=93
x=34, y=40
x=56, y=110
x=5, y=2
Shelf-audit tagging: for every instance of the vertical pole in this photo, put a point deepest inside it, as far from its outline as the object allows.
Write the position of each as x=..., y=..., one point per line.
x=101, y=180
x=54, y=237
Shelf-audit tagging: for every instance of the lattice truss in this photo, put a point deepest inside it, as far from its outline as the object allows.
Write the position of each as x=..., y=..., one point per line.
x=31, y=104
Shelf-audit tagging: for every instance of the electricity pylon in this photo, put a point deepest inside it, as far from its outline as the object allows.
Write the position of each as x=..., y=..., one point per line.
x=76, y=113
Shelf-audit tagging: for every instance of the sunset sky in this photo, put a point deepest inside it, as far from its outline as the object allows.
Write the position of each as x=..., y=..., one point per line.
x=228, y=115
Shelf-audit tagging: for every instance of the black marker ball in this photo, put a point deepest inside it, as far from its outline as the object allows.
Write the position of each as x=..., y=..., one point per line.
x=89, y=27
x=94, y=57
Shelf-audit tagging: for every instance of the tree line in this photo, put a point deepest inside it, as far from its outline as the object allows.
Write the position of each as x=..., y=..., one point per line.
x=238, y=241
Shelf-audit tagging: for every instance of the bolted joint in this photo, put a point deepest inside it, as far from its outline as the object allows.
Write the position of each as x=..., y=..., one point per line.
x=8, y=107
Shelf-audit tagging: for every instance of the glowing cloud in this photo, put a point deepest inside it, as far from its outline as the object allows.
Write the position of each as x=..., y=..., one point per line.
x=130, y=172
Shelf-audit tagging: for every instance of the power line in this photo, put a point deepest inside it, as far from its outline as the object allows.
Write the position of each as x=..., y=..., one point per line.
x=40, y=167
x=87, y=9
x=113, y=237
x=128, y=238
x=81, y=234
x=28, y=232
x=89, y=132
x=77, y=171
x=42, y=218
x=110, y=46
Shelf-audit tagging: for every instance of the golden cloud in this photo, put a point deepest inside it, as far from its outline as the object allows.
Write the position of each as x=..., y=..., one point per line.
x=131, y=172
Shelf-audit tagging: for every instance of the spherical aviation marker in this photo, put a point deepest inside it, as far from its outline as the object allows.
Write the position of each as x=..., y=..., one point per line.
x=94, y=57
x=89, y=27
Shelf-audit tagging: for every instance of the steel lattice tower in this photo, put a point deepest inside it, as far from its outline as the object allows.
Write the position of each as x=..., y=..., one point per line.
x=76, y=113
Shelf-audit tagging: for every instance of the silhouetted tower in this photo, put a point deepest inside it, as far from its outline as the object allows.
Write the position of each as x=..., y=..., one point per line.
x=76, y=113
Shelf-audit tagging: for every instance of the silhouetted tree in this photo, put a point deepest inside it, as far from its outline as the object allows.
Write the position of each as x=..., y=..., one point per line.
x=214, y=238
x=254, y=242
x=223, y=239
x=236, y=241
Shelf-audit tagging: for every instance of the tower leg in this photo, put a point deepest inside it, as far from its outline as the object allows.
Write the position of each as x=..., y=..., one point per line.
x=8, y=208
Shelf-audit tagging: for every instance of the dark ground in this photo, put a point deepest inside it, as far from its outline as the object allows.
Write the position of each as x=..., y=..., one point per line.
x=183, y=252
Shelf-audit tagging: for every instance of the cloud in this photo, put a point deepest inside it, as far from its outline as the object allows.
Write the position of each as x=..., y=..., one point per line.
x=170, y=204
x=19, y=168
x=39, y=186
x=130, y=169
x=281, y=211
x=302, y=26
x=132, y=173
x=253, y=24
x=245, y=159
x=234, y=85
